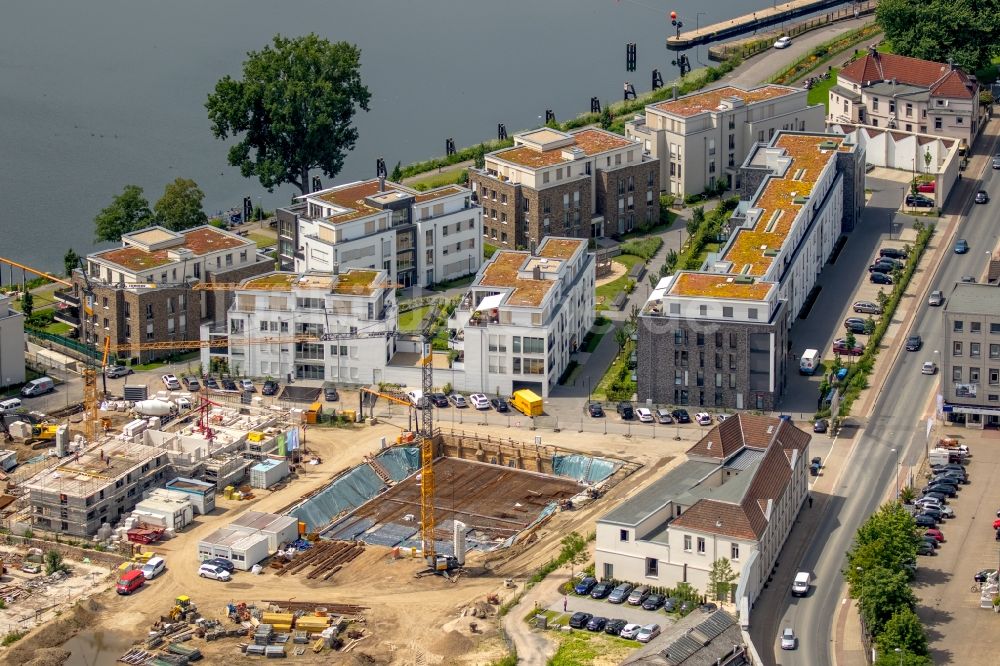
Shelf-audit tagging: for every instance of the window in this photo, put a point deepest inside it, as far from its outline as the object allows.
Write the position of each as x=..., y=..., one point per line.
x=678, y=378
x=937, y=123
x=229, y=259
x=973, y=375
x=649, y=177
x=994, y=351
x=994, y=328
x=956, y=349
x=687, y=542
x=675, y=308
x=149, y=311
x=994, y=376
x=732, y=380
x=874, y=103
x=909, y=110
x=700, y=339
x=516, y=366
x=609, y=570
x=957, y=327
x=734, y=551
x=974, y=349
x=956, y=373
x=652, y=566
x=727, y=311
x=703, y=310
x=243, y=256
x=701, y=545
x=958, y=120
x=751, y=313
x=503, y=198
x=623, y=535
x=975, y=327
x=711, y=146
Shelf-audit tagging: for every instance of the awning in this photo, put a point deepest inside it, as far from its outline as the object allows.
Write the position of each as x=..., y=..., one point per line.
x=490, y=302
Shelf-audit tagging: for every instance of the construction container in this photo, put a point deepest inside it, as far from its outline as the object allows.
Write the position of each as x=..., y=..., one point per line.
x=228, y=492
x=314, y=412
x=268, y=472
x=242, y=549
x=175, y=513
x=278, y=529
x=200, y=493
x=350, y=414
x=255, y=436
x=278, y=618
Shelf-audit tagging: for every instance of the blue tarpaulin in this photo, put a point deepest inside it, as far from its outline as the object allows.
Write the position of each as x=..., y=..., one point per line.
x=400, y=461
x=585, y=469
x=347, y=492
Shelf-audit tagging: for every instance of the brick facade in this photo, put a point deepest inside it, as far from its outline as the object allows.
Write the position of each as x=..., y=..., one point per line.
x=641, y=181
x=491, y=192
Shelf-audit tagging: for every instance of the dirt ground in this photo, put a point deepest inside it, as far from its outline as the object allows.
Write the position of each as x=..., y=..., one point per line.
x=440, y=632
x=618, y=269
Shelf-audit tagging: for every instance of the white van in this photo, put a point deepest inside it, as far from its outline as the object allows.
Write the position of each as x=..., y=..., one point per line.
x=800, y=586
x=153, y=568
x=809, y=362
x=9, y=406
x=39, y=386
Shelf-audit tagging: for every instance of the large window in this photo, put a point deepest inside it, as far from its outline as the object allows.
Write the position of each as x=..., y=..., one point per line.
x=701, y=545
x=534, y=345
x=652, y=566
x=687, y=542
x=534, y=366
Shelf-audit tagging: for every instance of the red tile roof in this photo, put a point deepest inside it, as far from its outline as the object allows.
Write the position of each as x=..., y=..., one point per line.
x=937, y=77
x=718, y=518
x=200, y=240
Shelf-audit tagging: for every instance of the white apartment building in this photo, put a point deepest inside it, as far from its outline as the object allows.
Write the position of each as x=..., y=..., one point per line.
x=11, y=343
x=901, y=93
x=736, y=497
x=344, y=323
x=524, y=315
x=418, y=238
x=701, y=139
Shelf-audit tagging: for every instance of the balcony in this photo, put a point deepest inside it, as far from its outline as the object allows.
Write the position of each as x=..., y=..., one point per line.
x=67, y=317
x=66, y=297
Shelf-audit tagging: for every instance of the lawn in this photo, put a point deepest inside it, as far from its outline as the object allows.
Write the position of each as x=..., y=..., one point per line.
x=262, y=240
x=58, y=328
x=580, y=648
x=429, y=182
x=410, y=321
x=820, y=92
x=607, y=292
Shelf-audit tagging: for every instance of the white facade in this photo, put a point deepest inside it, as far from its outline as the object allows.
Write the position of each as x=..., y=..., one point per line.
x=343, y=321
x=11, y=343
x=279, y=530
x=523, y=317
x=242, y=549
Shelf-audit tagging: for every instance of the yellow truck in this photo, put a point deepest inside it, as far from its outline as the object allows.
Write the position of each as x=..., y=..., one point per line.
x=527, y=402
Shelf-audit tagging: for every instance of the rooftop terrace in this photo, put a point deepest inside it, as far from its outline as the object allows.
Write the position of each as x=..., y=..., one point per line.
x=591, y=141
x=200, y=241
x=354, y=281
x=503, y=271
x=710, y=100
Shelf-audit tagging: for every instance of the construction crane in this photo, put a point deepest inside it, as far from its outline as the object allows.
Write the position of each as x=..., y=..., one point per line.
x=89, y=372
x=48, y=276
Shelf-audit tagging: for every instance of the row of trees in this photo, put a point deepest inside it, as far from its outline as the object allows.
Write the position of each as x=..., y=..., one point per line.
x=963, y=31
x=880, y=567
x=179, y=208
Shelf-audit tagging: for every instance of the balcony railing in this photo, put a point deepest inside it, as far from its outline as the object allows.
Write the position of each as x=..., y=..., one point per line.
x=67, y=297
x=65, y=317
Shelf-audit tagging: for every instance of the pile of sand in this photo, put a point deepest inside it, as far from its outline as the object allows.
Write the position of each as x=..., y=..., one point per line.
x=54, y=656
x=52, y=635
x=452, y=644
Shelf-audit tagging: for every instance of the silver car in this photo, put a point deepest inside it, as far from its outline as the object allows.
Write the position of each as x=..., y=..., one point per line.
x=936, y=298
x=868, y=307
x=663, y=416
x=788, y=639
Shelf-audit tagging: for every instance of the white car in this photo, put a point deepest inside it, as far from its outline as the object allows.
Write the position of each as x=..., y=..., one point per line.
x=788, y=639
x=247, y=385
x=722, y=417
x=644, y=415
x=171, y=382
x=213, y=572
x=783, y=42
x=479, y=401
x=630, y=630
x=703, y=418
x=648, y=633
x=928, y=368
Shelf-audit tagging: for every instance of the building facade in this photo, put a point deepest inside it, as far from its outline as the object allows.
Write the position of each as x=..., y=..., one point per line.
x=418, y=238
x=699, y=140
x=11, y=343
x=580, y=184
x=736, y=497
x=719, y=336
x=909, y=94
x=330, y=326
x=970, y=355
x=147, y=291
x=523, y=316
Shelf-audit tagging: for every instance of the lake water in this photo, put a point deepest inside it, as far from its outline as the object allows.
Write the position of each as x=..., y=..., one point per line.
x=98, y=94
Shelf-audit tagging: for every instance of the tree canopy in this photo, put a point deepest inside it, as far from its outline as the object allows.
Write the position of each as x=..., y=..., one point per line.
x=961, y=30
x=293, y=110
x=180, y=206
x=903, y=631
x=129, y=211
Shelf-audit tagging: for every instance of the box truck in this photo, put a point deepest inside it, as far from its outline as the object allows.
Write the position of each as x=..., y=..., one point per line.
x=809, y=362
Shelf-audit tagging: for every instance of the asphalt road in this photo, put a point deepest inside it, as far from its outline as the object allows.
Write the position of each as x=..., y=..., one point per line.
x=895, y=422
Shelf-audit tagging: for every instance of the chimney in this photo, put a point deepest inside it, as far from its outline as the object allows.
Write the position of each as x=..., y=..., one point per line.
x=532, y=248
x=673, y=93
x=381, y=183
x=336, y=268
x=536, y=272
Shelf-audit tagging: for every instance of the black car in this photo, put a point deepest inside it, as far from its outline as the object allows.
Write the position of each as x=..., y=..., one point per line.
x=941, y=497
x=626, y=411
x=500, y=405
x=914, y=343
x=948, y=489
x=681, y=416
x=210, y=383
x=597, y=623
x=439, y=399
x=981, y=576
x=880, y=278
x=601, y=590
x=229, y=385
x=881, y=267
x=708, y=608
x=949, y=466
x=925, y=521
x=579, y=619
x=595, y=410
x=917, y=201
x=855, y=324
x=653, y=602
x=270, y=387
x=670, y=604
x=982, y=197
x=892, y=253
x=330, y=392
x=950, y=477
x=821, y=426
x=614, y=627
x=222, y=563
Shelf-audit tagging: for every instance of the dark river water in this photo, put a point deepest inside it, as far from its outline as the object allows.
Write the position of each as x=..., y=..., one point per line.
x=98, y=94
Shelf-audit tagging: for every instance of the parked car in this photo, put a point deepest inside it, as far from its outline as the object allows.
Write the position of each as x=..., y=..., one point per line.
x=500, y=405
x=918, y=201
x=881, y=267
x=653, y=602
x=626, y=411
x=841, y=347
x=982, y=197
x=213, y=572
x=879, y=278
x=479, y=401
x=114, y=371
x=330, y=393
x=938, y=496
x=788, y=639
x=458, y=400
x=708, y=608
x=663, y=416
x=638, y=595
x=703, y=418
x=586, y=585
x=153, y=567
x=926, y=187
x=855, y=324
x=620, y=594
x=644, y=415
x=933, y=513
x=982, y=576
x=686, y=607
x=171, y=382
x=892, y=252
x=648, y=633
x=191, y=384
x=439, y=399
x=270, y=387
x=961, y=246
x=783, y=42
x=597, y=623
x=211, y=383
x=937, y=535
x=229, y=385
x=579, y=619
x=614, y=627
x=928, y=368
x=681, y=416
x=130, y=582
x=931, y=541
x=821, y=426
x=867, y=307
x=595, y=410
x=670, y=604
x=936, y=298
x=247, y=385
x=924, y=548
x=222, y=563
x=925, y=521
x=914, y=343
x=630, y=630
x=946, y=489
x=996, y=161
x=930, y=502
x=601, y=590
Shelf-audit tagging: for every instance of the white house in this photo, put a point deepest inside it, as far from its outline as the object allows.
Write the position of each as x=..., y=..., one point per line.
x=736, y=496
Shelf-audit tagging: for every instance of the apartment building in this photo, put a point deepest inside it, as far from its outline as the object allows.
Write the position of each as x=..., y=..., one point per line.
x=581, y=184
x=718, y=336
x=523, y=316
x=970, y=355
x=898, y=92
x=736, y=497
x=11, y=343
x=701, y=139
x=344, y=322
x=143, y=291
x=418, y=238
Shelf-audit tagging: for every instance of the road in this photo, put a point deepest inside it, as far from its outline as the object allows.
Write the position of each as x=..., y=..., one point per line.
x=895, y=422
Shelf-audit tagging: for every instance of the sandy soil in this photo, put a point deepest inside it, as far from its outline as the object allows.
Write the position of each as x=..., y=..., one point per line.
x=617, y=270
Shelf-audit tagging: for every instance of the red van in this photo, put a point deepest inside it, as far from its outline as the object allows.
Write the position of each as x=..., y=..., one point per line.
x=130, y=582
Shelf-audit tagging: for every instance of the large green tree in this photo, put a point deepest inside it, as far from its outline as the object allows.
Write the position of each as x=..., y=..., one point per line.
x=721, y=579
x=71, y=261
x=905, y=632
x=127, y=212
x=293, y=110
x=964, y=31
x=180, y=206
x=902, y=659
x=884, y=593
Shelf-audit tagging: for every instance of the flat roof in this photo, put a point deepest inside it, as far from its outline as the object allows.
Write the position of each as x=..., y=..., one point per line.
x=353, y=281
x=719, y=285
x=560, y=248
x=227, y=537
x=440, y=192
x=257, y=520
x=97, y=467
x=710, y=100
x=660, y=492
x=591, y=141
x=502, y=271
x=968, y=298
x=200, y=241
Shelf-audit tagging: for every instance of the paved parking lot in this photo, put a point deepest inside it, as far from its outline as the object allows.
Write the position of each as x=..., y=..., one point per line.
x=601, y=608
x=959, y=631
